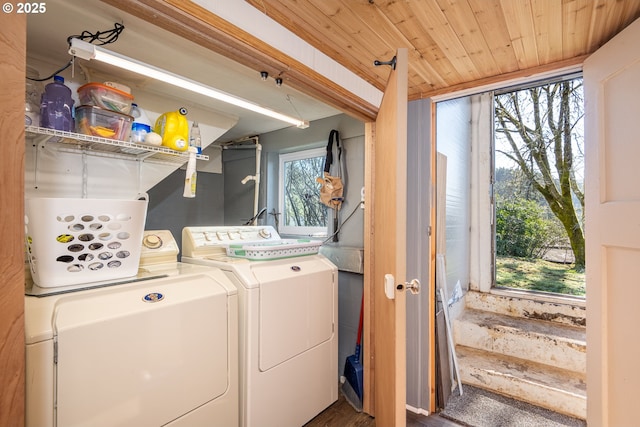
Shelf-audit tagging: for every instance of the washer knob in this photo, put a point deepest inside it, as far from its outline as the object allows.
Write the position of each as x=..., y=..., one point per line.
x=152, y=241
x=264, y=233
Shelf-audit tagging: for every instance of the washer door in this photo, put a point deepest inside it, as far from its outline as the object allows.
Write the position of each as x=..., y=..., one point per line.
x=143, y=356
x=297, y=307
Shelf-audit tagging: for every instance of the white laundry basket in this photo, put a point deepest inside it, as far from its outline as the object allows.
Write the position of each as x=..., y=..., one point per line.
x=75, y=241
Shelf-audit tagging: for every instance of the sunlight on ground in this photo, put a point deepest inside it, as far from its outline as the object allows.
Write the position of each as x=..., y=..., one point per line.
x=539, y=275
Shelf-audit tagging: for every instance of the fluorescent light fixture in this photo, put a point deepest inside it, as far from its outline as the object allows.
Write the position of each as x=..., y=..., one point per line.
x=84, y=50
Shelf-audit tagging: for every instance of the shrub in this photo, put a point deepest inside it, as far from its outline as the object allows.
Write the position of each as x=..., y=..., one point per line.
x=522, y=229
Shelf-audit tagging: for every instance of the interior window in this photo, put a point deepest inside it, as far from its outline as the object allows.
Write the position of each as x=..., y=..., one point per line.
x=299, y=193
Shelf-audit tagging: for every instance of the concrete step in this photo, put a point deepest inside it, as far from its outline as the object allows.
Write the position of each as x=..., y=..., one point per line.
x=553, y=388
x=553, y=344
x=564, y=310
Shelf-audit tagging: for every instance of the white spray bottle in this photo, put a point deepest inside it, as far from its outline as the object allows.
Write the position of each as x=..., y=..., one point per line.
x=190, y=178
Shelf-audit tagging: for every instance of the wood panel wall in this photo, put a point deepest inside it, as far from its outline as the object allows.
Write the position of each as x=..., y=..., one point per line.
x=12, y=365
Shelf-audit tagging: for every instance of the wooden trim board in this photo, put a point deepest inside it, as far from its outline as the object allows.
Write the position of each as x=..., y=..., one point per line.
x=12, y=272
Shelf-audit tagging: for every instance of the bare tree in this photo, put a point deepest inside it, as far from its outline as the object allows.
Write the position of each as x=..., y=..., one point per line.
x=540, y=127
x=303, y=194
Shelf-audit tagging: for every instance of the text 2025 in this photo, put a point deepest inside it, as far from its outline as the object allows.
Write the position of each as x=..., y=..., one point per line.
x=31, y=7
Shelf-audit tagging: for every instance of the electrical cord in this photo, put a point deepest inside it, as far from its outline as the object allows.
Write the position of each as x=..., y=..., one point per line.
x=64, y=67
x=99, y=38
x=343, y=223
x=252, y=220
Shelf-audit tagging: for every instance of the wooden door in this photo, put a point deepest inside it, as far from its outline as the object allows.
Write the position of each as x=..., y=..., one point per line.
x=612, y=86
x=385, y=247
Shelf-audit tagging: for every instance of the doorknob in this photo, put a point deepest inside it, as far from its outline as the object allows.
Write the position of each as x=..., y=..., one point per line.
x=413, y=286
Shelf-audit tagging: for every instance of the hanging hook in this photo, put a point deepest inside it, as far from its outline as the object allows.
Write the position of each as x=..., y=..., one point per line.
x=392, y=63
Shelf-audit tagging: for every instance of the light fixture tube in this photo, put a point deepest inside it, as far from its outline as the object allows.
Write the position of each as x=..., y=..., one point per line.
x=84, y=50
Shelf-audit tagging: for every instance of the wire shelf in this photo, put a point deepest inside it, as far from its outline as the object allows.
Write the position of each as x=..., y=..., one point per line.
x=105, y=147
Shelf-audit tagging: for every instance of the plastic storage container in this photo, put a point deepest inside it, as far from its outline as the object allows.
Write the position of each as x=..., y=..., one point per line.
x=56, y=106
x=284, y=248
x=74, y=241
x=96, y=121
x=106, y=97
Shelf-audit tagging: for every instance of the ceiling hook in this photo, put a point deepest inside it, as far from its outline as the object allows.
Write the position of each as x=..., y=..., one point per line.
x=392, y=63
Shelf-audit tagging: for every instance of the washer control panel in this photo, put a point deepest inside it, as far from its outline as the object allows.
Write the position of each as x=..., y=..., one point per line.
x=205, y=241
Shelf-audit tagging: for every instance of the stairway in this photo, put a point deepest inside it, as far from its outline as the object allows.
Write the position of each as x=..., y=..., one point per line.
x=529, y=350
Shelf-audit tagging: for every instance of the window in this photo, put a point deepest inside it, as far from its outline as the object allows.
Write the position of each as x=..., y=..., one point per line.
x=302, y=211
x=538, y=187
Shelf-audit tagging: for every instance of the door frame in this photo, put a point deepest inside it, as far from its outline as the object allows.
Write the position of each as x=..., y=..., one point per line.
x=12, y=271
x=201, y=26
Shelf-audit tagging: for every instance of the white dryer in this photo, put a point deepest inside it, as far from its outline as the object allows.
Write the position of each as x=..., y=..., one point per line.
x=157, y=350
x=288, y=303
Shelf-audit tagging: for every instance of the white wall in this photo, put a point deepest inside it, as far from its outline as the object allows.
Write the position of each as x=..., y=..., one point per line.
x=481, y=248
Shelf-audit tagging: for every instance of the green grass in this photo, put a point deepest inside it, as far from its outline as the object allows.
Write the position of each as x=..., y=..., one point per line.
x=539, y=275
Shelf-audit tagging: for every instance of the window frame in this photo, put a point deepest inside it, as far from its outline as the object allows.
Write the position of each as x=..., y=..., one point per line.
x=288, y=157
x=523, y=85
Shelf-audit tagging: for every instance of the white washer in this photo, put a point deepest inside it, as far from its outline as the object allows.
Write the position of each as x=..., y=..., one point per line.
x=160, y=349
x=288, y=320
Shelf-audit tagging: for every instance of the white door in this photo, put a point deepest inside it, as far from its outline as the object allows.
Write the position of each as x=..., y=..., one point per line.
x=612, y=91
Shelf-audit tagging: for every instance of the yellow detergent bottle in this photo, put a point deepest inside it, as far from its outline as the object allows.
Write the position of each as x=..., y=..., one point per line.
x=174, y=129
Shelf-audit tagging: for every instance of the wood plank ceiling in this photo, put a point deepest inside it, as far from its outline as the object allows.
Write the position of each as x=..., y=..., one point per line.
x=454, y=44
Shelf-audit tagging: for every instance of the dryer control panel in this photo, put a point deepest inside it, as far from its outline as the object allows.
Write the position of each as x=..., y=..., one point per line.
x=158, y=246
